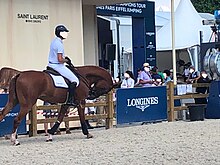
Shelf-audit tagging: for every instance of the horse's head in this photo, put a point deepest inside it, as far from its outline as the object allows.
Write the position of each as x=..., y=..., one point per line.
x=99, y=88
x=99, y=80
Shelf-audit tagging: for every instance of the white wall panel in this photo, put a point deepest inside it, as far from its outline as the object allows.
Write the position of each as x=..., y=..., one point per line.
x=25, y=45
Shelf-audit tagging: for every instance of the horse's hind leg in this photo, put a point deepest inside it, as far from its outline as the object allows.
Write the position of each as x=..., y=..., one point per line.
x=9, y=106
x=12, y=100
x=23, y=112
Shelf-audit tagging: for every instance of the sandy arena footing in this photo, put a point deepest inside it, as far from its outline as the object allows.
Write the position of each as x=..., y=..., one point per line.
x=185, y=143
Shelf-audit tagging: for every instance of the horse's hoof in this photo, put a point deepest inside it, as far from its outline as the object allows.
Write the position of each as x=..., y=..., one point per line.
x=68, y=132
x=17, y=144
x=57, y=133
x=7, y=137
x=49, y=140
x=89, y=136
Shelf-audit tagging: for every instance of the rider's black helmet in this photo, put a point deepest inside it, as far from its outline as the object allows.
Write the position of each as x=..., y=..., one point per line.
x=60, y=28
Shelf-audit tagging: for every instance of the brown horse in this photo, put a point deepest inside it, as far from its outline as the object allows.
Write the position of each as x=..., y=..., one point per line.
x=6, y=74
x=28, y=86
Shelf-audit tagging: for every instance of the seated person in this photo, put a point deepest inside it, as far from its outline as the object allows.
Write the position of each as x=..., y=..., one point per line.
x=193, y=75
x=128, y=81
x=137, y=84
x=202, y=79
x=157, y=78
x=167, y=78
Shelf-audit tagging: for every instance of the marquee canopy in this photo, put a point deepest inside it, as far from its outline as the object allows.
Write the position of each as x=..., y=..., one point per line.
x=188, y=23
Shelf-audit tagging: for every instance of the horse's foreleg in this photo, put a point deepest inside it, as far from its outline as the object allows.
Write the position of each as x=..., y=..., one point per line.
x=56, y=125
x=81, y=111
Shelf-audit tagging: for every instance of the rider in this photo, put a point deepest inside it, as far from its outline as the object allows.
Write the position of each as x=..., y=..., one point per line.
x=57, y=60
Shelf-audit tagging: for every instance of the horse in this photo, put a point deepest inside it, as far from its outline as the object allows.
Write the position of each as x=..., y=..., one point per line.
x=28, y=86
x=6, y=74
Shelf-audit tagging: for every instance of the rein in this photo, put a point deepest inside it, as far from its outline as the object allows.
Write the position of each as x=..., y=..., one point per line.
x=80, y=76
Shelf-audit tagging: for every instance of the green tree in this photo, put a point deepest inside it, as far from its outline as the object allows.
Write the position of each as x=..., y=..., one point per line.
x=206, y=6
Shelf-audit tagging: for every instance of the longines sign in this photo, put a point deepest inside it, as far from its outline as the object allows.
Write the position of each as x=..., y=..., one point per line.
x=141, y=104
x=32, y=18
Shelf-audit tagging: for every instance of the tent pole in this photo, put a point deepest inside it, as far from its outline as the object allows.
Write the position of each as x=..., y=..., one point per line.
x=173, y=42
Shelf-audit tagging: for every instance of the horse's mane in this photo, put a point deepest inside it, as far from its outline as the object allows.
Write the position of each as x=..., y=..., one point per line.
x=100, y=78
x=95, y=71
x=6, y=74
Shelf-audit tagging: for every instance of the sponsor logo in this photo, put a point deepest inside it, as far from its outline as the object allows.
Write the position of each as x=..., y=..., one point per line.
x=142, y=103
x=32, y=18
x=136, y=8
x=150, y=33
x=12, y=115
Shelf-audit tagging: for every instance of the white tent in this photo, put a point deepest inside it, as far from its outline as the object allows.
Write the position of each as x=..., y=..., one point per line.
x=165, y=5
x=188, y=23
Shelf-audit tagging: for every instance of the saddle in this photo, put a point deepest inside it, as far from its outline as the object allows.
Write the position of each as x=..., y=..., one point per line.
x=50, y=70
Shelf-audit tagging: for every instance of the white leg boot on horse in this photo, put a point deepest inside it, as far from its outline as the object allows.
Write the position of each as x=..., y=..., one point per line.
x=23, y=112
x=49, y=138
x=14, y=139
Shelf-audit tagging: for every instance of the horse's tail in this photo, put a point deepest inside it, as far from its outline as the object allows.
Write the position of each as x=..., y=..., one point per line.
x=2, y=80
x=12, y=89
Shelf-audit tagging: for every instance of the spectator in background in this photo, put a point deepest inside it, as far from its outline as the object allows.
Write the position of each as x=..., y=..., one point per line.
x=47, y=114
x=128, y=81
x=157, y=78
x=186, y=72
x=171, y=74
x=117, y=81
x=89, y=111
x=145, y=77
x=166, y=74
x=137, y=84
x=202, y=79
x=193, y=75
x=154, y=72
x=3, y=91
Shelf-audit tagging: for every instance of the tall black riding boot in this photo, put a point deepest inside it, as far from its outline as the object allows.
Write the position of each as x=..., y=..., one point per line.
x=72, y=87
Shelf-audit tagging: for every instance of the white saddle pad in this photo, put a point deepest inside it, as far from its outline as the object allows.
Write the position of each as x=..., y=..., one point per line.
x=59, y=81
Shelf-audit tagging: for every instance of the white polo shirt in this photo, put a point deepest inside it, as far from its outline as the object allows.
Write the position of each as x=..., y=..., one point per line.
x=56, y=47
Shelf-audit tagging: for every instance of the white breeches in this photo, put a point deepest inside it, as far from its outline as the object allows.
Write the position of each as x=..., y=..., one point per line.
x=65, y=72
